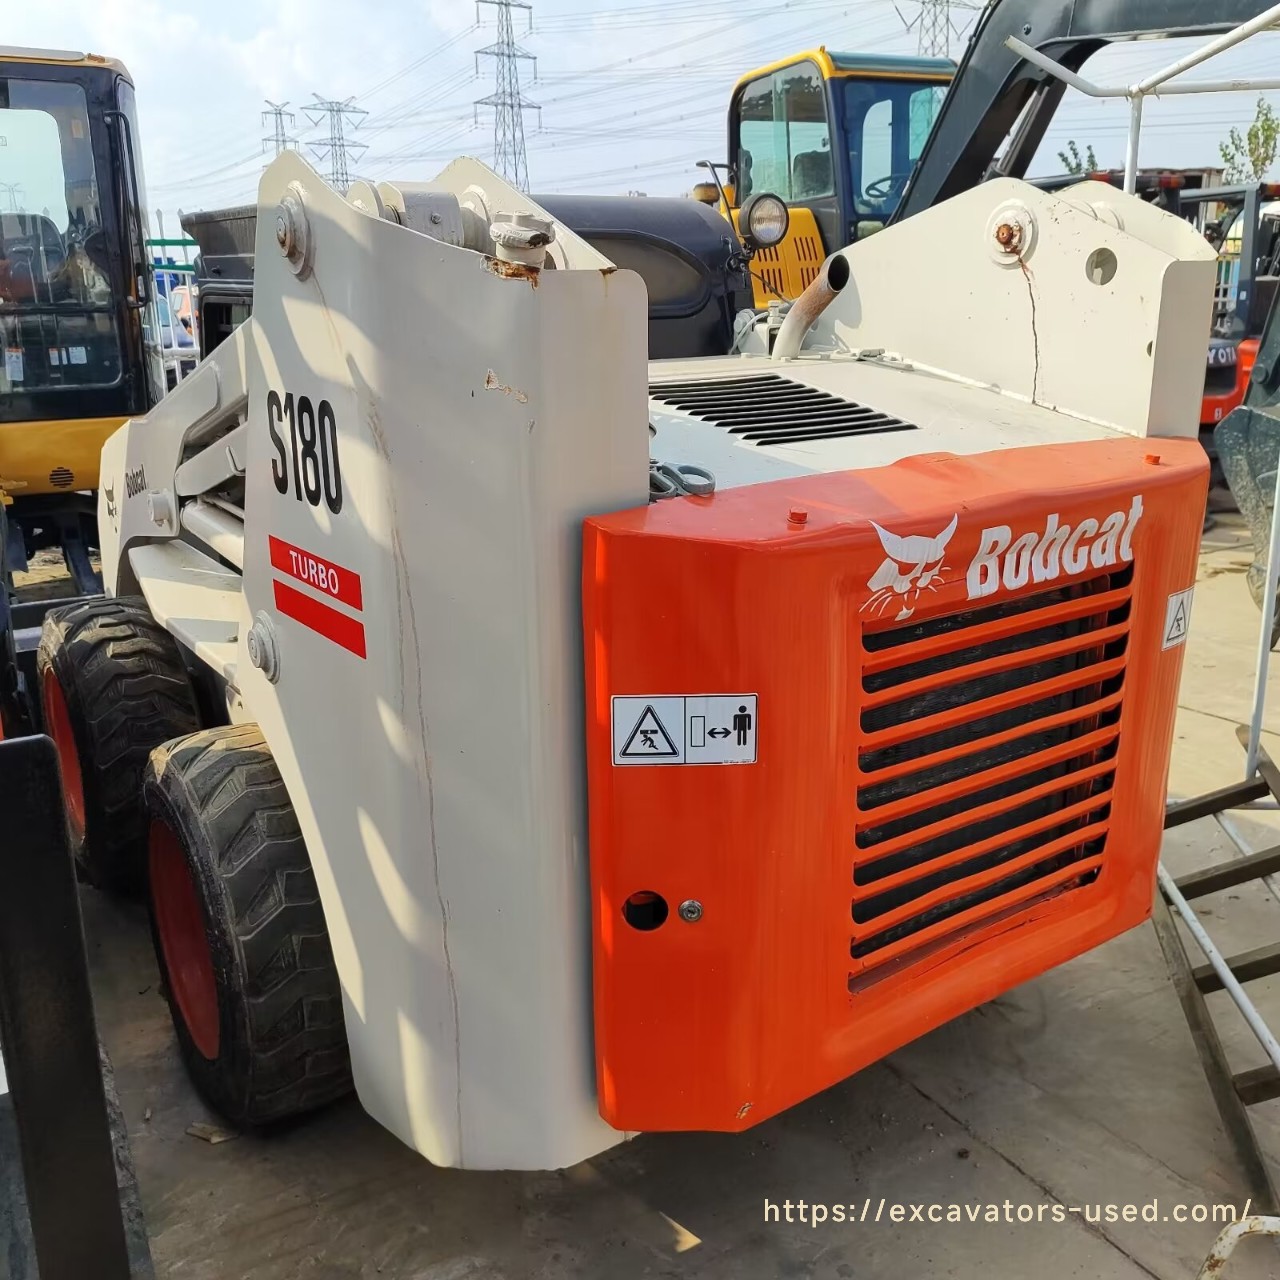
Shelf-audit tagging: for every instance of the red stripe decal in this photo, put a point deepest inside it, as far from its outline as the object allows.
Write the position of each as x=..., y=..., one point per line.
x=342, y=584
x=320, y=617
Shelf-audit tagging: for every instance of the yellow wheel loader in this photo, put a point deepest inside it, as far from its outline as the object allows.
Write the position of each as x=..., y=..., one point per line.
x=836, y=137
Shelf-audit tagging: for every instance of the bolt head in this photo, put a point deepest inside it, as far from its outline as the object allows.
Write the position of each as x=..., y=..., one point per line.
x=1009, y=236
x=261, y=644
x=798, y=515
x=691, y=910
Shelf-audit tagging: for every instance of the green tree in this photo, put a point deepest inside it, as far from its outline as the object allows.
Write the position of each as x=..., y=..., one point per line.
x=1072, y=161
x=1247, y=158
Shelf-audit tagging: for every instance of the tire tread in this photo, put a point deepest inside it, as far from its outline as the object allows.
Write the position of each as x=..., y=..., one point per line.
x=298, y=1058
x=127, y=689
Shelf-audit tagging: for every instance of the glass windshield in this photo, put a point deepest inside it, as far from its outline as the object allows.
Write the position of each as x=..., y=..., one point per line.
x=886, y=125
x=56, y=316
x=784, y=142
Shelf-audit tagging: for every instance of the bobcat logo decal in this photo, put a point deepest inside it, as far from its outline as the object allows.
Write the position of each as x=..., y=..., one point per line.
x=112, y=510
x=914, y=564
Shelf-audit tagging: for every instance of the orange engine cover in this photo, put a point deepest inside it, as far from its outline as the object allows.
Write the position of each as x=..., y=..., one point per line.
x=963, y=674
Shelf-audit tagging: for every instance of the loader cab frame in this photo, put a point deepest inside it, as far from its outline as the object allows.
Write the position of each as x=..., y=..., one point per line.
x=837, y=137
x=74, y=287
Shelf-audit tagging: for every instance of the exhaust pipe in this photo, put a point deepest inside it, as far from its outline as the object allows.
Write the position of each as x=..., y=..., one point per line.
x=810, y=305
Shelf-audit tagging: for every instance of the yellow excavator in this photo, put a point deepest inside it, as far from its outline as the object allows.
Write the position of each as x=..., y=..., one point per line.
x=77, y=353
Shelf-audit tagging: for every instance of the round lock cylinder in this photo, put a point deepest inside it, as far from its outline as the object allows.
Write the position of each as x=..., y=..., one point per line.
x=522, y=237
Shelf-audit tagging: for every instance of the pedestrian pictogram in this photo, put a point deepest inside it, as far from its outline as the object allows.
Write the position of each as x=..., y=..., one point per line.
x=1177, y=619
x=649, y=740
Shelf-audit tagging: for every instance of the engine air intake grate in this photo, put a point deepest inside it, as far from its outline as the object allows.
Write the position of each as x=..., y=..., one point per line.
x=985, y=764
x=61, y=478
x=768, y=409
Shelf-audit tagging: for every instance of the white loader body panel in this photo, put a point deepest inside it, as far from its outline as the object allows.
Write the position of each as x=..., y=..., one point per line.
x=380, y=480
x=439, y=778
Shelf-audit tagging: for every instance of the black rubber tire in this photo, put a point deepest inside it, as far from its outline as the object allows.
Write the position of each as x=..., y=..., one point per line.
x=282, y=1043
x=126, y=690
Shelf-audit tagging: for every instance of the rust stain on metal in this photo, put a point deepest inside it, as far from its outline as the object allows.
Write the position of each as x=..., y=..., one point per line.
x=1009, y=237
x=512, y=270
x=492, y=383
x=1215, y=1264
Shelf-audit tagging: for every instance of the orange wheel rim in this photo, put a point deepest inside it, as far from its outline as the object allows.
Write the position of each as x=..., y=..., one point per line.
x=57, y=719
x=183, y=939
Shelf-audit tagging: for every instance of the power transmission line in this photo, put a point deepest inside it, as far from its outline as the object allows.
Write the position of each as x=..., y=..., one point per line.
x=281, y=122
x=508, y=103
x=338, y=145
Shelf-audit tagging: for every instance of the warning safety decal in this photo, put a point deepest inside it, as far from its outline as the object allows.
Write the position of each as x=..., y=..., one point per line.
x=694, y=728
x=1177, y=618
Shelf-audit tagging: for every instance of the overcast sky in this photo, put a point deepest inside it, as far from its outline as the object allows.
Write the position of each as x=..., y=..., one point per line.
x=632, y=95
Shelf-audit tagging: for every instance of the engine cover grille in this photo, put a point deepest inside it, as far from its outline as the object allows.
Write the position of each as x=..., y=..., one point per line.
x=768, y=409
x=986, y=764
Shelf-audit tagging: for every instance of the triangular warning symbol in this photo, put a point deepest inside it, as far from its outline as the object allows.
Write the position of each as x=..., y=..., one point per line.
x=1177, y=624
x=649, y=740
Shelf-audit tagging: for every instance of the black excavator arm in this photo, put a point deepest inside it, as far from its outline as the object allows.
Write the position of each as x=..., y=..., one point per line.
x=994, y=84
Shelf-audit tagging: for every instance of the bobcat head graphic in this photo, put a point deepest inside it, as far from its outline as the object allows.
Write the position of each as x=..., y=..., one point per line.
x=914, y=564
x=112, y=510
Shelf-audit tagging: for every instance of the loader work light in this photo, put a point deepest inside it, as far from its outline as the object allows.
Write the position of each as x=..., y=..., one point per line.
x=764, y=220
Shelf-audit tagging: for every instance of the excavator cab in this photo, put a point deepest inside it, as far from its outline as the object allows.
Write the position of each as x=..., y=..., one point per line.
x=837, y=136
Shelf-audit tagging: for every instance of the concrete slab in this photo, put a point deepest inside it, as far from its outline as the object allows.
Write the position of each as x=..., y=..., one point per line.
x=1078, y=1090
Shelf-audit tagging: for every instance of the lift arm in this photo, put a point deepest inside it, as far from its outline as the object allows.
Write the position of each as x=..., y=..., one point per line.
x=994, y=84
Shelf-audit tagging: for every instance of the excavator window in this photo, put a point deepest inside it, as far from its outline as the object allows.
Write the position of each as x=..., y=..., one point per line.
x=57, y=321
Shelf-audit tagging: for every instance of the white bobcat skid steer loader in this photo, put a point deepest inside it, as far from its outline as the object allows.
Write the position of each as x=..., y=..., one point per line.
x=870, y=733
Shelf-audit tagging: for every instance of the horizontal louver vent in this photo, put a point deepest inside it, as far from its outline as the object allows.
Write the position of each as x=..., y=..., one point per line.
x=985, y=765
x=768, y=409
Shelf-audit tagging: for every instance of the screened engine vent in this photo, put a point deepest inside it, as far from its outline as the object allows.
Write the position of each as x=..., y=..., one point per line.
x=986, y=763
x=61, y=478
x=767, y=409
